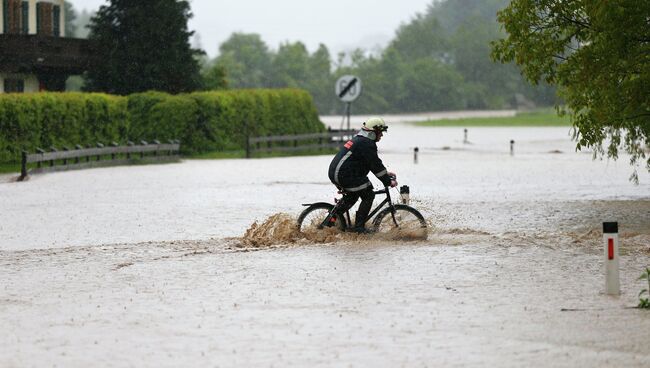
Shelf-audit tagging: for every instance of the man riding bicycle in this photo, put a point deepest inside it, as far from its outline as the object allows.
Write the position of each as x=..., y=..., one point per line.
x=350, y=167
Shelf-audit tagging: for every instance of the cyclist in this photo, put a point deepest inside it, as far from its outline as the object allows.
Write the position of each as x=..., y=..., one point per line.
x=349, y=169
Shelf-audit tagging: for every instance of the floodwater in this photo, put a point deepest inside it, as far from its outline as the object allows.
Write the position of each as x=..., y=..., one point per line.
x=197, y=263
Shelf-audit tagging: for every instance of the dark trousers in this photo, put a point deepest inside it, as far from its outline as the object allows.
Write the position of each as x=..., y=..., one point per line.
x=350, y=198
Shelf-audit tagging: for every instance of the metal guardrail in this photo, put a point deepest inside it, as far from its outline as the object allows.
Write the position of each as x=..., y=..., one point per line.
x=297, y=142
x=81, y=158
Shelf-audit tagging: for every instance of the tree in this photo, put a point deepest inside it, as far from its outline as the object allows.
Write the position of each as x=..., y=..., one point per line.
x=82, y=22
x=291, y=65
x=246, y=60
x=598, y=54
x=320, y=82
x=214, y=77
x=422, y=37
x=143, y=45
x=70, y=17
x=429, y=85
x=453, y=14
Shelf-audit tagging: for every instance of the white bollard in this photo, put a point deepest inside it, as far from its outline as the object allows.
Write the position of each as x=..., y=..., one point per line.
x=610, y=239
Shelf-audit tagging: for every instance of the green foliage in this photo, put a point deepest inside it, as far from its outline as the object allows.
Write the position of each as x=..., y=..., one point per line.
x=320, y=80
x=544, y=117
x=221, y=120
x=597, y=55
x=439, y=60
x=141, y=46
x=70, y=27
x=28, y=121
x=431, y=86
x=202, y=121
x=214, y=78
x=645, y=302
x=422, y=37
x=457, y=13
x=247, y=61
x=291, y=64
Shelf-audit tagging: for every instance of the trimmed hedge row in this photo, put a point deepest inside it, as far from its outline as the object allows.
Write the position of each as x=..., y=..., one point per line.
x=203, y=121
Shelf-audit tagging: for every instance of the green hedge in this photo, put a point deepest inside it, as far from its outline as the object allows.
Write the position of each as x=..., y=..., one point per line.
x=202, y=121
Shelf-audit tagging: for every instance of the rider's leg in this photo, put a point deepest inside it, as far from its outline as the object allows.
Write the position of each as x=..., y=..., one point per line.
x=367, y=197
x=348, y=200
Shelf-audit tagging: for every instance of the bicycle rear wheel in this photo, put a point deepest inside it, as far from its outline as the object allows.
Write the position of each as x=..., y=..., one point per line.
x=313, y=216
x=407, y=223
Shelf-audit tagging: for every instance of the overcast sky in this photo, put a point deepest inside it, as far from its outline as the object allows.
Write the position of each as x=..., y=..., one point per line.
x=339, y=24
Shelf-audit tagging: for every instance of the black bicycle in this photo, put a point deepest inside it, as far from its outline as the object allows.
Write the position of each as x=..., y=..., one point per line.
x=401, y=217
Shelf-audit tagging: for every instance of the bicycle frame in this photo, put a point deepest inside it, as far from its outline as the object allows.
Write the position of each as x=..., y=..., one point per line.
x=372, y=213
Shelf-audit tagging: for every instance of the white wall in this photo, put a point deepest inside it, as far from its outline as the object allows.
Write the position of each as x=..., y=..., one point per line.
x=2, y=18
x=32, y=17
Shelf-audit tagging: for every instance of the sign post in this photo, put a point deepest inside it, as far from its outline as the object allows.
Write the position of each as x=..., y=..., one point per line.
x=348, y=89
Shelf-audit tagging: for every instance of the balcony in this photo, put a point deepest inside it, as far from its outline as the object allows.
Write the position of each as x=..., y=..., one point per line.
x=37, y=54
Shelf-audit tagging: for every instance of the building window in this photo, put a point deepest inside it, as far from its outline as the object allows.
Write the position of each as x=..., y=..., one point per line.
x=44, y=19
x=12, y=16
x=5, y=16
x=14, y=85
x=25, y=17
x=39, y=17
x=56, y=20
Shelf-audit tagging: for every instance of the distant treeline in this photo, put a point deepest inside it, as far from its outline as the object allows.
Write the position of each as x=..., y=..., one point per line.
x=202, y=121
x=439, y=60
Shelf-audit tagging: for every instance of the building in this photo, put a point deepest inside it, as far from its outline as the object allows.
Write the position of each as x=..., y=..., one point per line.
x=35, y=55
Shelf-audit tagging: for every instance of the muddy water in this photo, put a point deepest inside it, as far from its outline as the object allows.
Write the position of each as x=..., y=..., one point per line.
x=362, y=303
x=199, y=263
x=479, y=186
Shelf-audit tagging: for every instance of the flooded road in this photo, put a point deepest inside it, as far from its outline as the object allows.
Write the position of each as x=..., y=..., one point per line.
x=364, y=303
x=149, y=265
x=203, y=199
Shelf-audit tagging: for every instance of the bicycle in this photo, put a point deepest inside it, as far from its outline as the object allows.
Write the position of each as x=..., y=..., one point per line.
x=403, y=217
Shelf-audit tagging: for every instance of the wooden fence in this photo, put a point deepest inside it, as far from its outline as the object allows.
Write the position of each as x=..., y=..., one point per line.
x=298, y=142
x=80, y=157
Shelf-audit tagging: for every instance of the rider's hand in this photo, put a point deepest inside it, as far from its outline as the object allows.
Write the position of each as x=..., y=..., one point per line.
x=392, y=175
x=393, y=183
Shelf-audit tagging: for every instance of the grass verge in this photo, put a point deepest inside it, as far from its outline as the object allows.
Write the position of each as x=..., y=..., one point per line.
x=525, y=119
x=8, y=168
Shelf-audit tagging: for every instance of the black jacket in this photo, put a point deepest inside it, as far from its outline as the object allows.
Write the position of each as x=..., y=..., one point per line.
x=357, y=157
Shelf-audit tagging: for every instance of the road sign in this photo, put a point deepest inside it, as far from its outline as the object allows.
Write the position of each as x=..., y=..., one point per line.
x=348, y=88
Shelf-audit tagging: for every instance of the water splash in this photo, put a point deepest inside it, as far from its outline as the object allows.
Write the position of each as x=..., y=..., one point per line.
x=281, y=229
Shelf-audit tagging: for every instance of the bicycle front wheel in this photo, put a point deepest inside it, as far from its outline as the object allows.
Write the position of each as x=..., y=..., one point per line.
x=405, y=222
x=313, y=216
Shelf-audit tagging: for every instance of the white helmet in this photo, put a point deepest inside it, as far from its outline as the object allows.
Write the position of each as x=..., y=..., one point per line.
x=376, y=124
